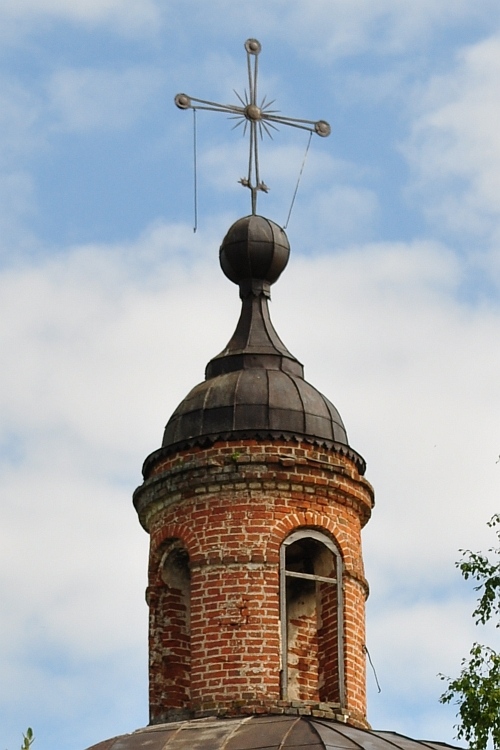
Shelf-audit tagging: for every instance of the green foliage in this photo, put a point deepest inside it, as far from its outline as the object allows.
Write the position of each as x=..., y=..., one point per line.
x=476, y=691
x=487, y=573
x=28, y=739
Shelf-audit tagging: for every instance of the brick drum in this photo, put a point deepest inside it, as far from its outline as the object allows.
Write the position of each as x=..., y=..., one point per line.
x=217, y=517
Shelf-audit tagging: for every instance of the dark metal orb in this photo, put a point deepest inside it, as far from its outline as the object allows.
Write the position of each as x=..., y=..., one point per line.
x=254, y=248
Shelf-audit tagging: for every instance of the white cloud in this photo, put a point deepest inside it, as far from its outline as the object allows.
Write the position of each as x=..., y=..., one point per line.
x=454, y=148
x=74, y=434
x=409, y=647
x=129, y=16
x=328, y=29
x=63, y=315
x=19, y=122
x=84, y=99
x=331, y=203
x=325, y=30
x=413, y=372
x=337, y=215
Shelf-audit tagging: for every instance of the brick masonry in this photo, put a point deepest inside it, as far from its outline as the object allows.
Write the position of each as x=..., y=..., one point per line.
x=217, y=517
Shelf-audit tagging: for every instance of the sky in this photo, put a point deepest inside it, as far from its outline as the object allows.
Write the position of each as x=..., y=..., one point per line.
x=110, y=307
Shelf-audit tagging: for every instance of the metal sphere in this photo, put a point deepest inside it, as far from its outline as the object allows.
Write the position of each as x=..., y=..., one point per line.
x=252, y=46
x=183, y=101
x=322, y=128
x=254, y=248
x=253, y=112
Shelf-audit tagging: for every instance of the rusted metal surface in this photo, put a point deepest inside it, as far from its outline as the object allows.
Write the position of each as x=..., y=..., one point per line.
x=334, y=736
x=263, y=733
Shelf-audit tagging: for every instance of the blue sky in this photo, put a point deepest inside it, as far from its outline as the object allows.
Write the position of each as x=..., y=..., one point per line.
x=110, y=307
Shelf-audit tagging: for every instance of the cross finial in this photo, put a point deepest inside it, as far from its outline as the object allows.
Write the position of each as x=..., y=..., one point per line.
x=259, y=118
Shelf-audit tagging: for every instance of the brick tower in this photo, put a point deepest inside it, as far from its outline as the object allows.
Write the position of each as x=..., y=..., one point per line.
x=254, y=505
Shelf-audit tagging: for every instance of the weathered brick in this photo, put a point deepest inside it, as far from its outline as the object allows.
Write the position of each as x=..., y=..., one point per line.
x=221, y=654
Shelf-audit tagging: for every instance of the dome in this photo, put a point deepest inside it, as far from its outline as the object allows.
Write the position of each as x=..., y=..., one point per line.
x=255, y=402
x=255, y=388
x=259, y=733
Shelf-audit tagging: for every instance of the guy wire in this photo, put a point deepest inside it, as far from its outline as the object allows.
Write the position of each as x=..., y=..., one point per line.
x=365, y=649
x=298, y=180
x=195, y=175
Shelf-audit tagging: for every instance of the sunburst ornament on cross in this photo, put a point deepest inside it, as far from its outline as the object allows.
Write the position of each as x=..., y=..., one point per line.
x=256, y=117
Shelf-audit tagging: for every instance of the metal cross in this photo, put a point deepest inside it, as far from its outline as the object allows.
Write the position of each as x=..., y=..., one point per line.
x=259, y=117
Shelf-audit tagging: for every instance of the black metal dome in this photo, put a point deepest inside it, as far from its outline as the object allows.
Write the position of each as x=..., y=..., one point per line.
x=255, y=388
x=263, y=733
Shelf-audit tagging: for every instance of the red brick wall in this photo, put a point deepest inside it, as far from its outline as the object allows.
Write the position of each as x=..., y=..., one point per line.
x=302, y=648
x=231, y=506
x=328, y=666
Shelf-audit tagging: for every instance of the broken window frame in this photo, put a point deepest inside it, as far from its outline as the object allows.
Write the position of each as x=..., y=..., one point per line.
x=284, y=574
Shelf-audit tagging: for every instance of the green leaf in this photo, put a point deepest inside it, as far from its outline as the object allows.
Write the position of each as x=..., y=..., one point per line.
x=28, y=739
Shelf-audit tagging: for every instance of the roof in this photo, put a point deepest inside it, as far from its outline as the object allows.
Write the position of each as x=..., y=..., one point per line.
x=263, y=733
x=255, y=388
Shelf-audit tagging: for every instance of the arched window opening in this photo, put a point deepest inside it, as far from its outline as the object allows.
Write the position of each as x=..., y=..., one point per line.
x=170, y=632
x=312, y=665
x=176, y=574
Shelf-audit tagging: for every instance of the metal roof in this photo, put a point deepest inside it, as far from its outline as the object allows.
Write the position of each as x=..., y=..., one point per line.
x=263, y=733
x=255, y=388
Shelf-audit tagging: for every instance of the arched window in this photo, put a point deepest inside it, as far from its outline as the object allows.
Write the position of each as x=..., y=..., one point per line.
x=311, y=612
x=170, y=634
